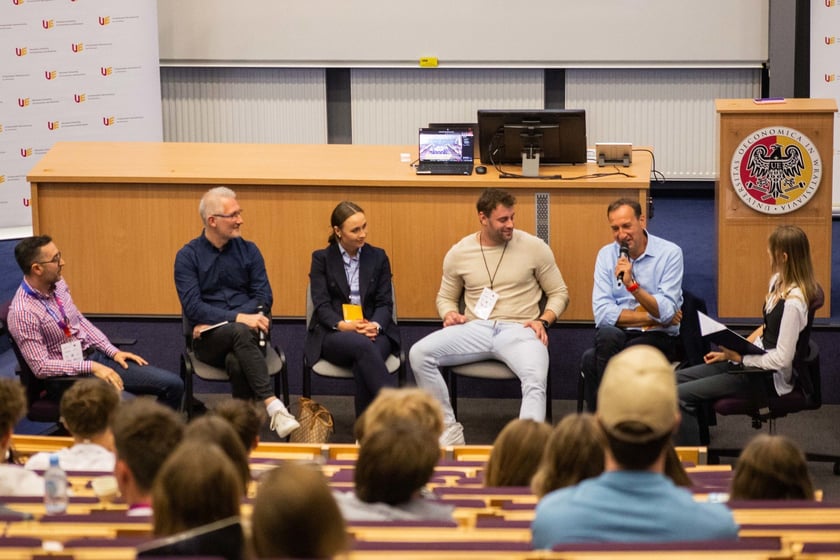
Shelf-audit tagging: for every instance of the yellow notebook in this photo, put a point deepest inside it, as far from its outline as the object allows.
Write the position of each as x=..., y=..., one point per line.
x=352, y=312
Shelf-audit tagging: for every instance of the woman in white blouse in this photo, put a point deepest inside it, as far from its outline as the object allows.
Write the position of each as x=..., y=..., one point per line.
x=792, y=292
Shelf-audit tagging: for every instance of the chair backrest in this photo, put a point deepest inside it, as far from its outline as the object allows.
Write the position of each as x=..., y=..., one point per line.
x=808, y=373
x=34, y=387
x=691, y=339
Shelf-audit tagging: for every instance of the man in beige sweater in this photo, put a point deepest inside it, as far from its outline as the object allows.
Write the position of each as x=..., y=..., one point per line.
x=502, y=273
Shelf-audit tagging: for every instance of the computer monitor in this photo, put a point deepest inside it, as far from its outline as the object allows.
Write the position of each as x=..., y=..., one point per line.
x=532, y=137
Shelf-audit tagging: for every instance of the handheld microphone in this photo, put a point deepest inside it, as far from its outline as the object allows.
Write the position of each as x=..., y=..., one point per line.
x=260, y=333
x=623, y=251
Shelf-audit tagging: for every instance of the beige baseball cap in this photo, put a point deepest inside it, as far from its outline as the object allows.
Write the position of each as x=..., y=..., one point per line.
x=639, y=385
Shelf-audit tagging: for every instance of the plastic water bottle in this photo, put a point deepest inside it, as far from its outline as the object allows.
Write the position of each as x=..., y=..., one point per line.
x=55, y=487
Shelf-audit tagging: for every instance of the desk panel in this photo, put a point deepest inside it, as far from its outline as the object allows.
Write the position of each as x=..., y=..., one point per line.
x=120, y=211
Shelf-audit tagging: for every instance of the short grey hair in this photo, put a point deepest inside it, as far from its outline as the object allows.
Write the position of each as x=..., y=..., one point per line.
x=211, y=202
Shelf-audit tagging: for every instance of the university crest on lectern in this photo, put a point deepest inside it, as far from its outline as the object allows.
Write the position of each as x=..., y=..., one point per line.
x=776, y=170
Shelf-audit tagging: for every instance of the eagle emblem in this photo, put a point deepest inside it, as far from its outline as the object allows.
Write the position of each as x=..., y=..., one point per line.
x=776, y=170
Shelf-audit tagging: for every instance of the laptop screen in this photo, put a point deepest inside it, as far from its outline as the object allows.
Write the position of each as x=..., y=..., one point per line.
x=444, y=145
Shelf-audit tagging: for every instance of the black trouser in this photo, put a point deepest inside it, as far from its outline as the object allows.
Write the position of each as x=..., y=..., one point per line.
x=609, y=341
x=246, y=367
x=367, y=360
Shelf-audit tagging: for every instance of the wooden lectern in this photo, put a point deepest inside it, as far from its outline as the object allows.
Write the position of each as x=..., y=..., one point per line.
x=774, y=168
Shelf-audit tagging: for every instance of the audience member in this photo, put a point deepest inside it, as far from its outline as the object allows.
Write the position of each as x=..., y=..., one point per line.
x=772, y=467
x=404, y=404
x=792, y=290
x=351, y=272
x=145, y=434
x=501, y=274
x=56, y=339
x=637, y=294
x=674, y=468
x=86, y=411
x=246, y=419
x=14, y=479
x=575, y=452
x=222, y=283
x=393, y=466
x=196, y=500
x=295, y=515
x=215, y=430
x=516, y=453
x=632, y=501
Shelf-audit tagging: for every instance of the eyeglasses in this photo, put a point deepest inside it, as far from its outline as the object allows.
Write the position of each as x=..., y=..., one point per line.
x=233, y=215
x=55, y=260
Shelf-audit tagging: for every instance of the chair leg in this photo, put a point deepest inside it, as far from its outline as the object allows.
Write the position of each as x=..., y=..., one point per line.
x=186, y=376
x=307, y=380
x=548, y=414
x=581, y=384
x=453, y=390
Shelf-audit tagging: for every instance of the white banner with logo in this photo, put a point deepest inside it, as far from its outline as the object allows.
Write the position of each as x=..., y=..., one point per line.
x=825, y=72
x=71, y=71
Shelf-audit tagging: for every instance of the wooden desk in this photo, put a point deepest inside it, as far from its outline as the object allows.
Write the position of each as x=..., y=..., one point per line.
x=119, y=212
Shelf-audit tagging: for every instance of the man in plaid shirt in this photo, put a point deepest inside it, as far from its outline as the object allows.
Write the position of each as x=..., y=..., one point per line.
x=57, y=340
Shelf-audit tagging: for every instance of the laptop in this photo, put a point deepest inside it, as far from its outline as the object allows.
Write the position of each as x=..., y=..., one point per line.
x=445, y=151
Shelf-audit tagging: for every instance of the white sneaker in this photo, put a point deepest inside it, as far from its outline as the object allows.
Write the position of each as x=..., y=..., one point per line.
x=283, y=423
x=453, y=434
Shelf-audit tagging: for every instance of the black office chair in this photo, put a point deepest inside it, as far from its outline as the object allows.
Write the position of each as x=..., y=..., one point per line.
x=40, y=408
x=191, y=365
x=489, y=369
x=394, y=364
x=806, y=395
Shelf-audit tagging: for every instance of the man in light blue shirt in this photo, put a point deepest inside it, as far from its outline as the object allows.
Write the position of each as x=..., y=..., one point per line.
x=637, y=295
x=633, y=500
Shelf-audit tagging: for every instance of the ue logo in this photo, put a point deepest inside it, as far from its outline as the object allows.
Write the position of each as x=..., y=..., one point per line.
x=77, y=47
x=20, y=51
x=47, y=23
x=79, y=97
x=50, y=74
x=106, y=70
x=828, y=77
x=776, y=170
x=25, y=152
x=108, y=121
x=23, y=102
x=52, y=125
x=104, y=20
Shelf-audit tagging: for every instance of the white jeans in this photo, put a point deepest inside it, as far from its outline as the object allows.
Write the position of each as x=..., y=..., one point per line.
x=512, y=343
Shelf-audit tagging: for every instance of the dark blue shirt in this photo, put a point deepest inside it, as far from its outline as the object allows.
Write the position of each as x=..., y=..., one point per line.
x=214, y=285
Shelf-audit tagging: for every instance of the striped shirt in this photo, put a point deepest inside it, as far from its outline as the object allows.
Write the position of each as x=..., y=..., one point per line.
x=33, y=325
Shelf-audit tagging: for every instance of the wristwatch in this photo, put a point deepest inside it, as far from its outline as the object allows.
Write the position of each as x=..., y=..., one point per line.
x=545, y=323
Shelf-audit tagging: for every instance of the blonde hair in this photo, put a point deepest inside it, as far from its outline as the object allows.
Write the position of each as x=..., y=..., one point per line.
x=575, y=452
x=517, y=452
x=390, y=405
x=797, y=269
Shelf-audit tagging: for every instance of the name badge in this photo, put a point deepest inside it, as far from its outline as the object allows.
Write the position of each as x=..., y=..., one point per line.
x=72, y=351
x=486, y=303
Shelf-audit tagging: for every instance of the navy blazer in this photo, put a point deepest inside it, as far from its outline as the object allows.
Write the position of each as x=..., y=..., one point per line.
x=329, y=287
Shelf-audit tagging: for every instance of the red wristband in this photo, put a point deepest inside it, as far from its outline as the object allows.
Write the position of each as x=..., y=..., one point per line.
x=632, y=287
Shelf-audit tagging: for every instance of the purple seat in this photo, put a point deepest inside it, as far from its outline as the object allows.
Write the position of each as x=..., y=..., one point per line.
x=494, y=522
x=442, y=546
x=402, y=523
x=20, y=542
x=746, y=543
x=820, y=547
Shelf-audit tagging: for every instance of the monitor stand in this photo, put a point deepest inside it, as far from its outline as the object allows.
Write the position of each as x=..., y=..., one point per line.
x=530, y=164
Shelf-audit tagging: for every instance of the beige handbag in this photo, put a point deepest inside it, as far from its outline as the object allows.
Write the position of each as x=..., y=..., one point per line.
x=316, y=423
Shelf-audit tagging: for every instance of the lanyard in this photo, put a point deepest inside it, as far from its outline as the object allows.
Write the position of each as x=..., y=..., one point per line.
x=62, y=321
x=498, y=264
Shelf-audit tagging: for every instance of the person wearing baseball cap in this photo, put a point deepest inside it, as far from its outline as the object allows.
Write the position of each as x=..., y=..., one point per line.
x=633, y=500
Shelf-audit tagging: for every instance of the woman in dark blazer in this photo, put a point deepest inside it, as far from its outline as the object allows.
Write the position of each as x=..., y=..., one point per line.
x=349, y=271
